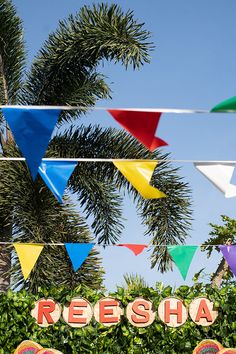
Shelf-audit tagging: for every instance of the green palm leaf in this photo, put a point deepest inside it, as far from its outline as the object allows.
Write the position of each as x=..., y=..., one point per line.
x=66, y=71
x=167, y=220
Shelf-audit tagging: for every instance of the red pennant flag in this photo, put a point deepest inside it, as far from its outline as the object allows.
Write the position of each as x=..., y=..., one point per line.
x=141, y=124
x=137, y=249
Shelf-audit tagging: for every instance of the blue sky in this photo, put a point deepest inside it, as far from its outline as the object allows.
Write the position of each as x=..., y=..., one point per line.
x=193, y=66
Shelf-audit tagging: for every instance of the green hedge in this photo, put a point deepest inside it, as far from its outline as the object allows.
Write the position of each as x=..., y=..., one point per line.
x=16, y=323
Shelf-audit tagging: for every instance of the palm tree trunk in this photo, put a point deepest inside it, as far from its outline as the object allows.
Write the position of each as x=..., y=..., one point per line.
x=6, y=232
x=4, y=82
x=5, y=259
x=9, y=136
x=217, y=277
x=219, y=273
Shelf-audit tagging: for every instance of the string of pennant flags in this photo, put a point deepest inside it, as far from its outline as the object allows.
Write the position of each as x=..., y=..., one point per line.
x=32, y=128
x=139, y=173
x=226, y=106
x=56, y=175
x=182, y=255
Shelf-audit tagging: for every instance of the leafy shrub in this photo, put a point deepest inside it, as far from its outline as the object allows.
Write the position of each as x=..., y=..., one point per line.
x=16, y=323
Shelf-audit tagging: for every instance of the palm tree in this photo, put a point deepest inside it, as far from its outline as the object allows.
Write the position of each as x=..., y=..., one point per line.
x=221, y=235
x=66, y=72
x=134, y=283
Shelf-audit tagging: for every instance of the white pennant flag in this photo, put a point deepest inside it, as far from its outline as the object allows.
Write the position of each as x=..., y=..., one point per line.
x=220, y=174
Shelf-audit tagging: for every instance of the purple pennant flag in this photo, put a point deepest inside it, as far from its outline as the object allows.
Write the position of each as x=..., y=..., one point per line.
x=229, y=253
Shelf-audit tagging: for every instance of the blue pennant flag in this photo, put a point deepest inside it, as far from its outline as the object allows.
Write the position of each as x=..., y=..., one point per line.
x=56, y=175
x=78, y=252
x=32, y=129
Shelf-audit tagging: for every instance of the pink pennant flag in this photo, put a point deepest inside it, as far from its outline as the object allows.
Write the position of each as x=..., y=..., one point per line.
x=135, y=248
x=141, y=124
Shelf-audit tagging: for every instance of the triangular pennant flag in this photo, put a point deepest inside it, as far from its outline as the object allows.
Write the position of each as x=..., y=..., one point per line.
x=141, y=124
x=228, y=105
x=229, y=253
x=233, y=178
x=135, y=248
x=32, y=129
x=182, y=256
x=139, y=174
x=220, y=175
x=78, y=252
x=56, y=175
x=28, y=254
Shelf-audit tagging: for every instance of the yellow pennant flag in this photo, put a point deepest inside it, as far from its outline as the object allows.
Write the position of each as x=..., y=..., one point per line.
x=139, y=174
x=28, y=254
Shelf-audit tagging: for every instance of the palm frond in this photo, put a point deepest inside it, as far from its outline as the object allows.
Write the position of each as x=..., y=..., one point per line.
x=167, y=220
x=220, y=234
x=64, y=72
x=12, y=53
x=37, y=217
x=134, y=282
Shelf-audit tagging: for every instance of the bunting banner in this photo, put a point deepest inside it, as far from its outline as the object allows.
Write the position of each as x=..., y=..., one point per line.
x=229, y=253
x=139, y=174
x=78, y=252
x=135, y=248
x=56, y=174
x=32, y=129
x=220, y=175
x=141, y=124
x=28, y=255
x=228, y=105
x=182, y=256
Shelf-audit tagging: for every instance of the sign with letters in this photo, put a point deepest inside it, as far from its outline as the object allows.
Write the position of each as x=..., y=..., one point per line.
x=140, y=312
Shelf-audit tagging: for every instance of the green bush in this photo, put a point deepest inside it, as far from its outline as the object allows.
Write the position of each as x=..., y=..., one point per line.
x=16, y=323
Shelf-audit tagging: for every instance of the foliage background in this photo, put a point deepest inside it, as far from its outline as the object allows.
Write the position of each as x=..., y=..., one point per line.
x=17, y=324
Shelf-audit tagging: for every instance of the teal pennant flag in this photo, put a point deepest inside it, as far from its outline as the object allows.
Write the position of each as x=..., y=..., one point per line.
x=78, y=252
x=56, y=174
x=32, y=129
x=182, y=256
x=228, y=105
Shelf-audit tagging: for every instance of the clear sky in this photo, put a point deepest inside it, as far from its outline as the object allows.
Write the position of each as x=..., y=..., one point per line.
x=193, y=66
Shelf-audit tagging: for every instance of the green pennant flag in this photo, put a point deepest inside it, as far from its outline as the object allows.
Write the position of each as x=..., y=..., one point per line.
x=228, y=105
x=182, y=256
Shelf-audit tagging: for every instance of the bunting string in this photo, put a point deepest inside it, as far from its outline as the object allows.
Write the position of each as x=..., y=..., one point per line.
x=88, y=159
x=143, y=109
x=227, y=106
x=57, y=172
x=95, y=108
x=104, y=246
x=182, y=255
x=32, y=128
